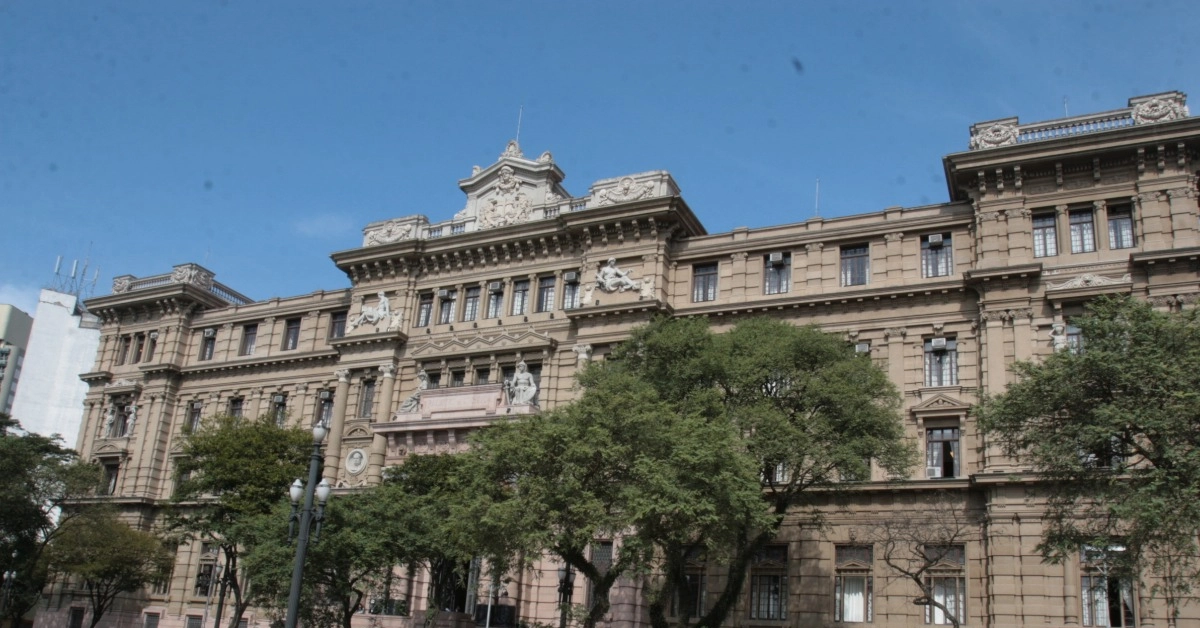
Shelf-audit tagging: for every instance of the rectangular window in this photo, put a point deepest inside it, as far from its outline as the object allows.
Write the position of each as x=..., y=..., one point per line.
x=112, y=472
x=941, y=362
x=446, y=307
x=545, y=296
x=123, y=349
x=1107, y=601
x=951, y=593
x=936, y=256
x=337, y=325
x=76, y=619
x=458, y=378
x=768, y=584
x=482, y=375
x=291, y=334
x=424, y=309
x=1045, y=236
x=1083, y=231
x=1120, y=228
x=236, y=406
x=459, y=228
x=366, y=402
x=471, y=304
x=208, y=345
x=139, y=344
x=777, y=273
x=856, y=264
x=150, y=620
x=941, y=452
x=853, y=586
x=151, y=345
x=570, y=295
x=204, y=580
x=195, y=621
x=495, y=301
x=249, y=338
x=279, y=409
x=704, y=282
x=194, y=412
x=1074, y=339
x=697, y=585
x=435, y=379
x=325, y=410
x=520, y=302
x=602, y=558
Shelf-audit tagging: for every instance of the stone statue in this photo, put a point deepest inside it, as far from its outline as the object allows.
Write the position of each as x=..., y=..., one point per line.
x=373, y=315
x=132, y=419
x=1058, y=336
x=413, y=403
x=610, y=278
x=110, y=418
x=521, y=389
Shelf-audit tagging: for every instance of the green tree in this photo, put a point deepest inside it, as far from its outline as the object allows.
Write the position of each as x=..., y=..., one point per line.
x=236, y=470
x=108, y=556
x=1114, y=429
x=37, y=477
x=351, y=560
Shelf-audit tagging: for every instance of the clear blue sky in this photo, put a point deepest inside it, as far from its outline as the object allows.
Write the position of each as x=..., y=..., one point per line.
x=257, y=137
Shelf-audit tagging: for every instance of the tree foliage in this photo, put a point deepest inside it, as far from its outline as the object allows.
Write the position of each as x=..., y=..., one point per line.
x=1115, y=431
x=686, y=443
x=37, y=477
x=108, y=557
x=236, y=469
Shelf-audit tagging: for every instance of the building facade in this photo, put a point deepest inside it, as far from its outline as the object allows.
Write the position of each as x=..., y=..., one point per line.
x=15, y=326
x=62, y=345
x=528, y=278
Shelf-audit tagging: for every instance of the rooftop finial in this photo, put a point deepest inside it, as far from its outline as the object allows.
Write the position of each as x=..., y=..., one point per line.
x=512, y=150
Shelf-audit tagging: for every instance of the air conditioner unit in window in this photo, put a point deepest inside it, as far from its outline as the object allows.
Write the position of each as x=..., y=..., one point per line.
x=325, y=395
x=129, y=409
x=862, y=347
x=571, y=277
x=935, y=239
x=278, y=399
x=775, y=258
x=937, y=343
x=153, y=335
x=210, y=332
x=495, y=286
x=442, y=294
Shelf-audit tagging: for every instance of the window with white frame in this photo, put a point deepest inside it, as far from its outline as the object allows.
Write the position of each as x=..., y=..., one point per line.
x=941, y=362
x=704, y=282
x=520, y=297
x=471, y=304
x=768, y=583
x=942, y=450
x=936, y=255
x=1045, y=235
x=853, y=586
x=291, y=334
x=446, y=306
x=947, y=584
x=545, y=295
x=570, y=299
x=777, y=273
x=249, y=339
x=495, y=299
x=424, y=309
x=856, y=264
x=1120, y=227
x=1108, y=599
x=1083, y=231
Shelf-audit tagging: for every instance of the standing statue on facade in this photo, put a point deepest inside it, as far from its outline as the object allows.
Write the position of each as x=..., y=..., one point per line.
x=521, y=389
x=413, y=403
x=110, y=418
x=372, y=315
x=131, y=420
x=1058, y=336
x=610, y=278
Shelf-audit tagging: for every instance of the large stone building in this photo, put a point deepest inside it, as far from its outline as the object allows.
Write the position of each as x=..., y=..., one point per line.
x=1040, y=218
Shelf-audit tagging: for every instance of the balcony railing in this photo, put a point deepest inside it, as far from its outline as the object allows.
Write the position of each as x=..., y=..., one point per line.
x=193, y=274
x=1141, y=110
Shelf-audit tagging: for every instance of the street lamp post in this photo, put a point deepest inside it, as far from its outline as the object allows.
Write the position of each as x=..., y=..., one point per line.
x=306, y=517
x=566, y=583
x=10, y=578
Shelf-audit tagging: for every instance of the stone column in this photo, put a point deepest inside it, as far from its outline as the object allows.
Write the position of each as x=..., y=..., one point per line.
x=813, y=266
x=895, y=355
x=996, y=380
x=333, y=450
x=383, y=411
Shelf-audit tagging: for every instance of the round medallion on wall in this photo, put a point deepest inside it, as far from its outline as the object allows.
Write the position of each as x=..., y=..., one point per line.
x=356, y=462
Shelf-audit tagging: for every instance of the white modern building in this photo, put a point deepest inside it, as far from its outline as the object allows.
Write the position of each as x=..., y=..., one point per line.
x=14, y=339
x=61, y=345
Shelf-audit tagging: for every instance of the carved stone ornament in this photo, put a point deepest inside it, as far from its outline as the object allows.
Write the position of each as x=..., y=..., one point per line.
x=192, y=274
x=611, y=278
x=343, y=375
x=391, y=231
x=625, y=191
x=513, y=149
x=1159, y=110
x=545, y=158
x=356, y=461
x=508, y=205
x=1089, y=280
x=994, y=136
x=583, y=353
x=647, y=288
x=121, y=284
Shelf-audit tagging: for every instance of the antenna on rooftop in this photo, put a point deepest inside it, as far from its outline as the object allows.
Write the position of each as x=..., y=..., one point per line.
x=520, y=114
x=1066, y=112
x=76, y=283
x=817, y=200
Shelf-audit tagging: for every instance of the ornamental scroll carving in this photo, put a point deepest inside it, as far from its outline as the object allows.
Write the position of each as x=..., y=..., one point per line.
x=192, y=274
x=121, y=284
x=999, y=134
x=392, y=231
x=1159, y=110
x=1006, y=314
x=1089, y=280
x=508, y=205
x=625, y=191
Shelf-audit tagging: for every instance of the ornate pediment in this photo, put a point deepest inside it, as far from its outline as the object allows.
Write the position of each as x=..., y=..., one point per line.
x=1088, y=280
x=507, y=192
x=486, y=343
x=940, y=405
x=357, y=431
